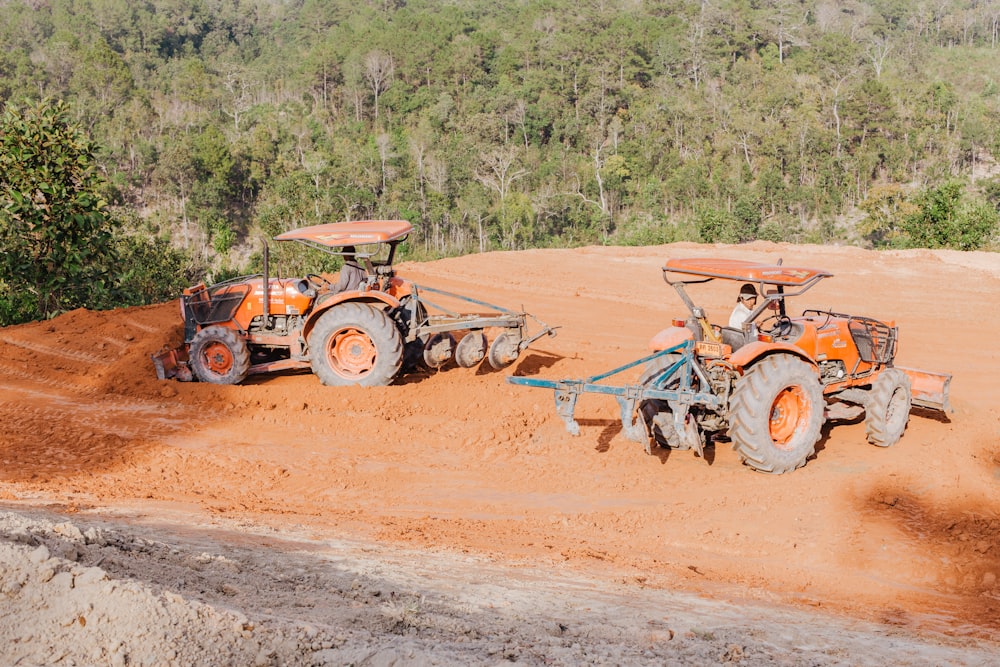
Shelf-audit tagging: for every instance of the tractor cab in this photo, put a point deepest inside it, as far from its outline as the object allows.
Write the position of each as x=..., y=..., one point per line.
x=371, y=243
x=773, y=283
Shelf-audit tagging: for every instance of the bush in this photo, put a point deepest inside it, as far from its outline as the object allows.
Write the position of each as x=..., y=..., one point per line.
x=55, y=230
x=15, y=306
x=716, y=226
x=946, y=219
x=151, y=271
x=644, y=231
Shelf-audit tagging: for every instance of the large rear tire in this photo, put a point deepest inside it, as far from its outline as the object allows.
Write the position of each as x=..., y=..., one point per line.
x=888, y=408
x=219, y=356
x=656, y=413
x=776, y=413
x=355, y=344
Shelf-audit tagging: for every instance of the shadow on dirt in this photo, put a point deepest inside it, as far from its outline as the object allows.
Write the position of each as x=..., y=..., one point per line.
x=824, y=437
x=611, y=429
x=933, y=415
x=961, y=543
x=536, y=361
x=420, y=372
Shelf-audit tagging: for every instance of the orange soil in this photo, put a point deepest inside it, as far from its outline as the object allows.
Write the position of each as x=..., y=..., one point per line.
x=460, y=460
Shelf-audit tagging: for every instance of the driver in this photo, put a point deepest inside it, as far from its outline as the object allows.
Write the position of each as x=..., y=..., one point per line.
x=352, y=275
x=745, y=303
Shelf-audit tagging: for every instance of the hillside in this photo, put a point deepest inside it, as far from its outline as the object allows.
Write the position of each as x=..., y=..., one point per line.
x=517, y=125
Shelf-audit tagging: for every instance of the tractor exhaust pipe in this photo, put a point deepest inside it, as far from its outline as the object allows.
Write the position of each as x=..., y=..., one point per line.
x=267, y=290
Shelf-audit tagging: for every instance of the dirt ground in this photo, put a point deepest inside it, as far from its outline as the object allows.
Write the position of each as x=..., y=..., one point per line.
x=450, y=519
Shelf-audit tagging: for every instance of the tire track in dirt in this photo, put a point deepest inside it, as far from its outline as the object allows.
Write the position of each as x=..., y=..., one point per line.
x=52, y=428
x=71, y=355
x=146, y=328
x=30, y=378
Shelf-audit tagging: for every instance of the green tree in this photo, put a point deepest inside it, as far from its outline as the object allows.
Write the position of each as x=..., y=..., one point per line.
x=150, y=270
x=101, y=82
x=887, y=208
x=746, y=211
x=215, y=174
x=945, y=219
x=55, y=231
x=716, y=226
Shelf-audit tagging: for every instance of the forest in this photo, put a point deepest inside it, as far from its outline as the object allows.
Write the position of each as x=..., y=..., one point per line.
x=145, y=144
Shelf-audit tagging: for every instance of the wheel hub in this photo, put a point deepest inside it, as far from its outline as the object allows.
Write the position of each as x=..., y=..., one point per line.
x=352, y=352
x=218, y=358
x=896, y=413
x=789, y=409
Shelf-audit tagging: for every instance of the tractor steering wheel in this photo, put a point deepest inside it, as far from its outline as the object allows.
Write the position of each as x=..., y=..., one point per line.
x=318, y=280
x=781, y=327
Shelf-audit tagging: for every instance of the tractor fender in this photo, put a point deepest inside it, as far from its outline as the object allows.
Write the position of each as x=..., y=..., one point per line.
x=754, y=352
x=379, y=299
x=670, y=337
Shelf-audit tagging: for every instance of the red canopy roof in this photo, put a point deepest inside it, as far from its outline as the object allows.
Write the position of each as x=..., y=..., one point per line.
x=360, y=232
x=736, y=269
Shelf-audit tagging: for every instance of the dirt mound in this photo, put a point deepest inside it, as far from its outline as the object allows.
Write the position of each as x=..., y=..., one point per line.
x=458, y=461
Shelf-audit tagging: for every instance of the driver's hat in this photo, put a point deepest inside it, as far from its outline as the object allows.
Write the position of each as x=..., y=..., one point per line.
x=748, y=290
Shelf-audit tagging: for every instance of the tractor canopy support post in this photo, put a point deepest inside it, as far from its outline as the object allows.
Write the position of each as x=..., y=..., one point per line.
x=266, y=313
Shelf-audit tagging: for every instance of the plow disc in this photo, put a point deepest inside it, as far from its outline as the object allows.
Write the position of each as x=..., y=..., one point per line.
x=471, y=349
x=504, y=351
x=439, y=349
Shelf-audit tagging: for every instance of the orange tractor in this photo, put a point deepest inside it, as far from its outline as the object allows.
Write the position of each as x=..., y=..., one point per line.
x=770, y=385
x=358, y=336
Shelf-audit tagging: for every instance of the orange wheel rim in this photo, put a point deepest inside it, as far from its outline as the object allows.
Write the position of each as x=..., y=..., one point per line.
x=352, y=352
x=788, y=411
x=218, y=358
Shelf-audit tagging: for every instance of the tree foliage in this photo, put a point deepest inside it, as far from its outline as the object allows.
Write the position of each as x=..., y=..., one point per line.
x=945, y=219
x=55, y=231
x=506, y=125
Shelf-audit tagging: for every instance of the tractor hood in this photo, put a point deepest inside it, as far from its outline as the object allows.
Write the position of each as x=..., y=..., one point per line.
x=340, y=234
x=735, y=269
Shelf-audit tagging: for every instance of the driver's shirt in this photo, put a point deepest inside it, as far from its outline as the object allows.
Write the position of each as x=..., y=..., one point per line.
x=739, y=316
x=352, y=276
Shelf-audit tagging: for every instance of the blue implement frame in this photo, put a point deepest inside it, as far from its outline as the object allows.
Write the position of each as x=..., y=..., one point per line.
x=680, y=397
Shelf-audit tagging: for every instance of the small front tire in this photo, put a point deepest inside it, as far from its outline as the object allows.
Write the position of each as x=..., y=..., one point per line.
x=888, y=407
x=219, y=356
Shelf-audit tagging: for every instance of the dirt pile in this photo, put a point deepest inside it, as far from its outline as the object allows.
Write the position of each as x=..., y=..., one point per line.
x=460, y=463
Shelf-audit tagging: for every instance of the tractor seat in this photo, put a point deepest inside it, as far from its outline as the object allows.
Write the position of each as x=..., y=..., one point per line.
x=734, y=338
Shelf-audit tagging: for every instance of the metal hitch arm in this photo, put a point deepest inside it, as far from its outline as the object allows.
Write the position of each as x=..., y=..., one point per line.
x=629, y=396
